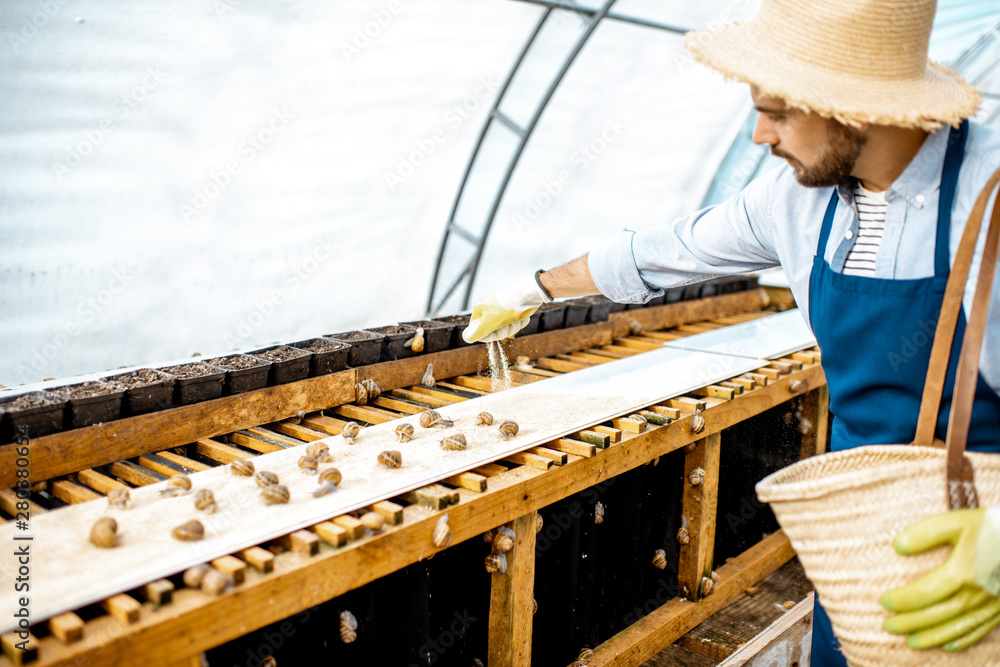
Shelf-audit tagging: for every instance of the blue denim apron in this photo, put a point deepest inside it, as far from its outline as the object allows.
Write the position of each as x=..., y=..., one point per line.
x=876, y=336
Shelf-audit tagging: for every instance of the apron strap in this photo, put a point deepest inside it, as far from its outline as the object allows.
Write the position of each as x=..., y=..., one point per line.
x=946, y=199
x=824, y=232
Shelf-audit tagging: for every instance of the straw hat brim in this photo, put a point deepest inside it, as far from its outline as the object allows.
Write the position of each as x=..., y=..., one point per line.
x=938, y=97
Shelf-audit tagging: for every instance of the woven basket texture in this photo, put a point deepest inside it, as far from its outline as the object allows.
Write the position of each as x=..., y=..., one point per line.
x=841, y=512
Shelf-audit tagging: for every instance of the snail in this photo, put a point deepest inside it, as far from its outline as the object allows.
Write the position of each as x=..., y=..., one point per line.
x=194, y=575
x=752, y=590
x=508, y=429
x=266, y=478
x=417, y=342
x=275, y=494
x=350, y=431
x=496, y=563
x=697, y=476
x=269, y=661
x=329, y=479
x=119, y=499
x=404, y=432
x=682, y=535
x=319, y=451
x=441, y=537
x=390, y=458
x=660, y=559
x=787, y=604
x=539, y=522
x=707, y=586
x=105, y=532
x=697, y=423
x=365, y=391
x=489, y=535
x=503, y=542
x=585, y=654
x=308, y=464
x=348, y=627
x=299, y=416
x=484, y=419
x=454, y=442
x=190, y=531
x=177, y=485
x=635, y=327
x=429, y=418
x=242, y=467
x=205, y=500
x=636, y=417
x=599, y=513
x=373, y=521
x=215, y=583
x=534, y=606
x=428, y=379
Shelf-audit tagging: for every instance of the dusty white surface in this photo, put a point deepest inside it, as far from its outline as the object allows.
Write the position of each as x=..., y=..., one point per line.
x=67, y=571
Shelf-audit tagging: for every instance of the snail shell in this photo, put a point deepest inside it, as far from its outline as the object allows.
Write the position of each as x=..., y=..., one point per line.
x=442, y=533
x=660, y=559
x=635, y=327
x=404, y=432
x=578, y=663
x=454, y=442
x=373, y=521
x=429, y=418
x=119, y=499
x=489, y=535
x=275, y=494
x=496, y=563
x=205, y=500
x=696, y=477
x=242, y=467
x=636, y=417
x=390, y=458
x=484, y=419
x=269, y=661
x=266, y=478
x=707, y=586
x=194, y=575
x=104, y=532
x=215, y=583
x=752, y=590
x=682, y=535
x=177, y=485
x=539, y=522
x=599, y=513
x=190, y=531
x=329, y=479
x=360, y=394
x=787, y=604
x=585, y=654
x=317, y=449
x=417, y=342
x=350, y=431
x=428, y=379
x=308, y=465
x=348, y=627
x=503, y=542
x=697, y=423
x=508, y=429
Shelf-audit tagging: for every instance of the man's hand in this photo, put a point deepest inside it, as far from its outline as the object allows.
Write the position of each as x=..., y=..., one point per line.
x=505, y=313
x=958, y=603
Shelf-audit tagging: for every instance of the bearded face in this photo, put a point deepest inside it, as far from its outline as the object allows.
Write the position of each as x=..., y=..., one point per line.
x=835, y=163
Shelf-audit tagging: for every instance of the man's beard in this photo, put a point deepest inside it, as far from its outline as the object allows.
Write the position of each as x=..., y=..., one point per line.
x=836, y=164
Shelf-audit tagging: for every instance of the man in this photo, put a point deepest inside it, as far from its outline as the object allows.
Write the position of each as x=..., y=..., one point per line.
x=882, y=171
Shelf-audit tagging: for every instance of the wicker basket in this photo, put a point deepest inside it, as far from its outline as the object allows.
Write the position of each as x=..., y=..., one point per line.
x=841, y=512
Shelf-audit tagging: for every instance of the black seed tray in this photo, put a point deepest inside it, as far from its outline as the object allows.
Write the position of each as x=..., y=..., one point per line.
x=156, y=395
x=240, y=380
x=285, y=370
x=366, y=346
x=331, y=361
x=437, y=335
x=38, y=420
x=553, y=316
x=394, y=341
x=600, y=306
x=199, y=388
x=532, y=326
x=459, y=322
x=577, y=311
x=104, y=403
x=674, y=294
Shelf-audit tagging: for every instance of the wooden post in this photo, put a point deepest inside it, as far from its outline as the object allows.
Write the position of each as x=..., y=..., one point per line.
x=815, y=421
x=512, y=600
x=701, y=465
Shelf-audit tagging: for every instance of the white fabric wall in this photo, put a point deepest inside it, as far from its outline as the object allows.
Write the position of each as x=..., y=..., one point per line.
x=117, y=116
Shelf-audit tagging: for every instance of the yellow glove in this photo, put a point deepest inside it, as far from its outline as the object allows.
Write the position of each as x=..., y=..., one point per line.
x=958, y=603
x=507, y=312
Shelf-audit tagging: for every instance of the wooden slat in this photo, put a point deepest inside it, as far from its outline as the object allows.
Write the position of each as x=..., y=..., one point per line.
x=134, y=474
x=364, y=413
x=698, y=505
x=557, y=457
x=429, y=497
x=451, y=494
x=398, y=406
x=573, y=447
x=761, y=379
x=123, y=608
x=71, y=492
x=476, y=382
x=716, y=391
x=622, y=351
x=302, y=542
x=490, y=469
x=190, y=464
x=432, y=401
x=327, y=425
x=297, y=431
x=532, y=375
x=159, y=592
x=160, y=465
x=614, y=433
x=629, y=425
x=391, y=513
x=67, y=628
x=602, y=440
x=685, y=404
x=256, y=443
x=471, y=390
x=232, y=566
x=331, y=533
x=11, y=643
x=9, y=501
x=99, y=482
x=468, y=480
x=355, y=529
x=220, y=452
x=259, y=559
x=559, y=365
x=783, y=642
x=638, y=344
x=512, y=600
x=533, y=460
x=436, y=393
x=673, y=413
x=264, y=432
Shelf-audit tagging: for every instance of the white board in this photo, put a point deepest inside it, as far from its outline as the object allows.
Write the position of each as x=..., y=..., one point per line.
x=764, y=338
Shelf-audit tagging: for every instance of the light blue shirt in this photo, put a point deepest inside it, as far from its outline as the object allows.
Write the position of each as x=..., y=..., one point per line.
x=775, y=221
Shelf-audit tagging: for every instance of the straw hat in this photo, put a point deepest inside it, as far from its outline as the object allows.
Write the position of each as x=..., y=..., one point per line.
x=853, y=60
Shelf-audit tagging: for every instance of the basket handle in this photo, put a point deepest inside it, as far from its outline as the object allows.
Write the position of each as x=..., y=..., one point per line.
x=961, y=491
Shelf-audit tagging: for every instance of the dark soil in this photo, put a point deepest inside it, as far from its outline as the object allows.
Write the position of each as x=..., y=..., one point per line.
x=139, y=378
x=456, y=319
x=85, y=389
x=428, y=324
x=281, y=353
x=35, y=399
x=550, y=306
x=320, y=346
x=237, y=362
x=354, y=335
x=391, y=331
x=192, y=370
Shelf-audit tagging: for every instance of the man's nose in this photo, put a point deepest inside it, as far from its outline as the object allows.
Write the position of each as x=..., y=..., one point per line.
x=763, y=132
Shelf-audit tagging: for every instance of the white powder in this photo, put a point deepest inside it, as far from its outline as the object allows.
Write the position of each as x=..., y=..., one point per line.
x=499, y=367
